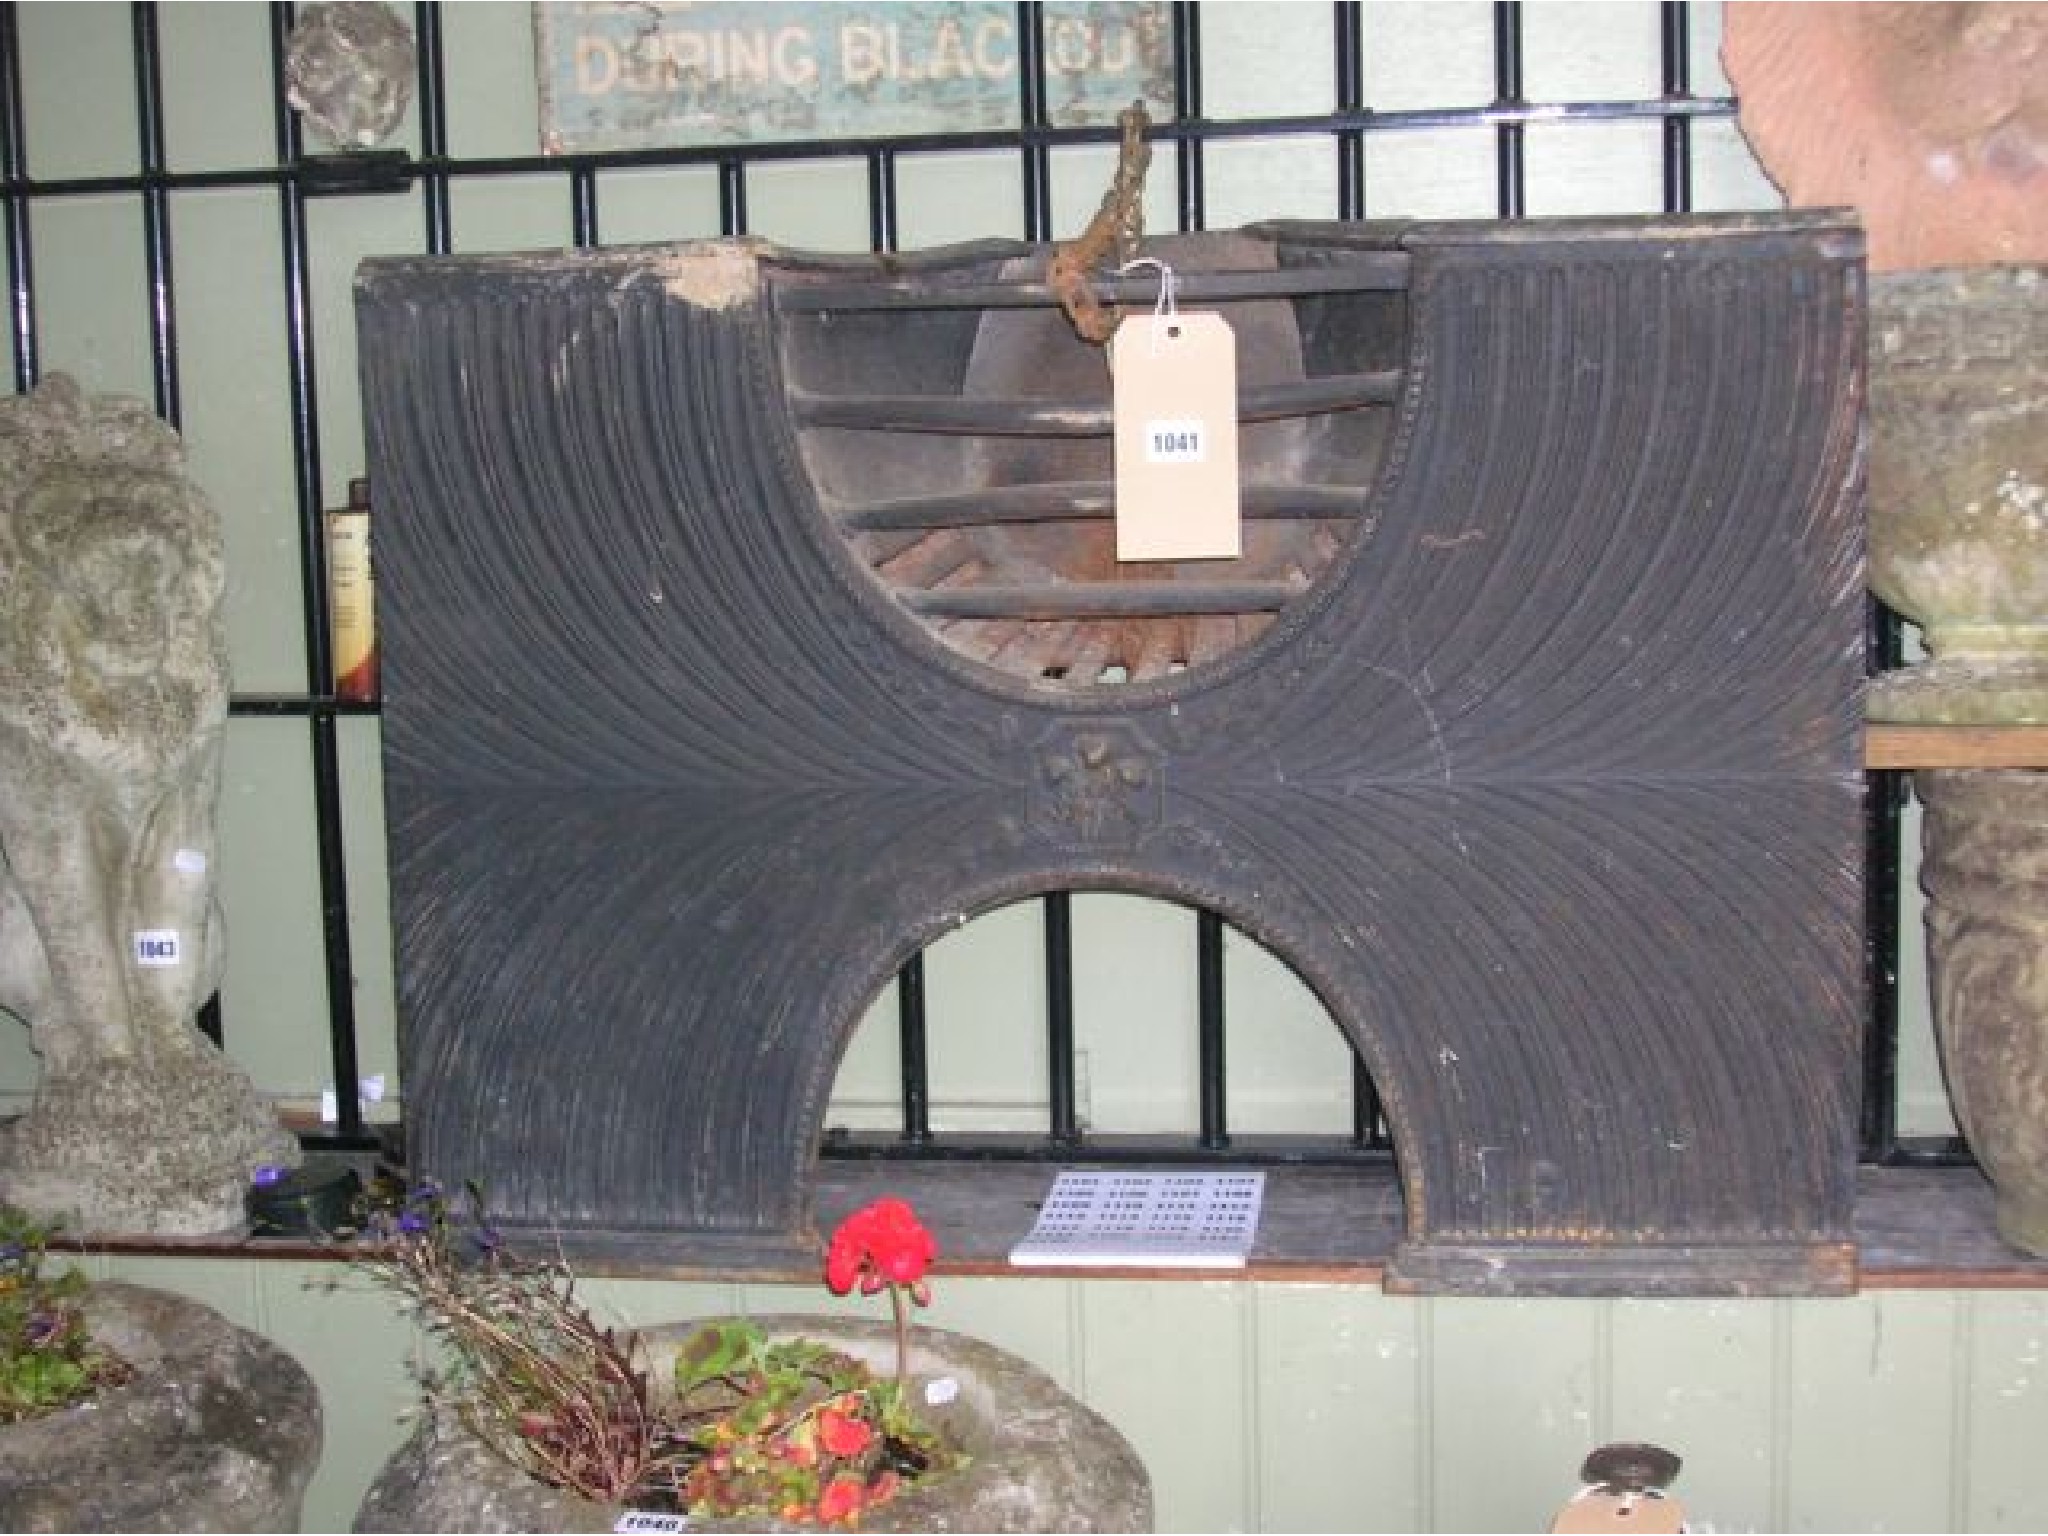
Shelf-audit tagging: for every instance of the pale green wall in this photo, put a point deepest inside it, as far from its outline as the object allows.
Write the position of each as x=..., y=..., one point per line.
x=1336, y=1408
x=1257, y=1407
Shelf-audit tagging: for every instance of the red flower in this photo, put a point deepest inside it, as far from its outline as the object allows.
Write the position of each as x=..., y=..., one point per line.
x=841, y=1500
x=842, y=1434
x=880, y=1244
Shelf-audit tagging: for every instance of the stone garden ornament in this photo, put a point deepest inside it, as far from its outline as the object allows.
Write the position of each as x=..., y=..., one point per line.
x=349, y=70
x=113, y=703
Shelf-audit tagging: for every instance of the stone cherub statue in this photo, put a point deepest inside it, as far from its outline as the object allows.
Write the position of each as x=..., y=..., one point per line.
x=113, y=705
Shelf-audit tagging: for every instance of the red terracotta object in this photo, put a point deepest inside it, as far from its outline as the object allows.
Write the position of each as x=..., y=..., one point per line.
x=1930, y=119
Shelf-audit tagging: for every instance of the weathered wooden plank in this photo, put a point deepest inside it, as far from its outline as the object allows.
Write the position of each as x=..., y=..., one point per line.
x=1955, y=746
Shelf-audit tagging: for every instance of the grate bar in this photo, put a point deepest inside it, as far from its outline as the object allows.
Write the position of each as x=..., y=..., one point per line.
x=1100, y=599
x=1509, y=152
x=14, y=164
x=1087, y=501
x=1213, y=1086
x=915, y=1062
x=305, y=419
x=1365, y=273
x=1053, y=418
x=1063, y=1116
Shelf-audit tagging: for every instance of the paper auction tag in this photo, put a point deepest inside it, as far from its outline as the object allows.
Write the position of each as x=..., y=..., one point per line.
x=1173, y=390
x=1598, y=1509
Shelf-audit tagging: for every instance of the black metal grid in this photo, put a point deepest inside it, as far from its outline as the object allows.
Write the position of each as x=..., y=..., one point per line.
x=299, y=177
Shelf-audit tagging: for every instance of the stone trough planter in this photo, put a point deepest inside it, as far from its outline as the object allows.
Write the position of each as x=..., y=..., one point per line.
x=1042, y=1460
x=219, y=1431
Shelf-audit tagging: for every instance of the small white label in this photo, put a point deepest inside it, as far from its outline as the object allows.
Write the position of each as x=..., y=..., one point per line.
x=1175, y=442
x=157, y=947
x=189, y=861
x=650, y=1520
x=940, y=1391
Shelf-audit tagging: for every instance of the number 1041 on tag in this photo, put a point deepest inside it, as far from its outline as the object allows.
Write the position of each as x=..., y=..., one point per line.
x=1174, y=442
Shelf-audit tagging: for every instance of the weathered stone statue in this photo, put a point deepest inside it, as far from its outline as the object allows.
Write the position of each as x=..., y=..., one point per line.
x=113, y=702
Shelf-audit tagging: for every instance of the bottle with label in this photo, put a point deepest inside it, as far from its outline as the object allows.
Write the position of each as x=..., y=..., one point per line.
x=351, y=597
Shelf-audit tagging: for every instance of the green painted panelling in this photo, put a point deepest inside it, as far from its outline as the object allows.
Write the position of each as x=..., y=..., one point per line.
x=493, y=103
x=1923, y=1106
x=1337, y=1410
x=1868, y=1413
x=941, y=199
x=228, y=272
x=2003, y=1359
x=1696, y=1378
x=78, y=91
x=809, y=204
x=1169, y=1365
x=273, y=1000
x=92, y=317
x=1433, y=173
x=658, y=206
x=512, y=213
x=1630, y=157
x=1081, y=174
x=1598, y=50
x=360, y=1352
x=1134, y=1011
x=985, y=1009
x=1298, y=1082
x=339, y=235
x=219, y=109
x=20, y=1068
x=1428, y=53
x=1724, y=173
x=1516, y=1396
x=1039, y=1323
x=1268, y=44
x=655, y=1303
x=1269, y=179
x=235, y=1291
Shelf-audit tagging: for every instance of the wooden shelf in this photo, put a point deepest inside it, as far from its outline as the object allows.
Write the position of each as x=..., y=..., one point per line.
x=1955, y=746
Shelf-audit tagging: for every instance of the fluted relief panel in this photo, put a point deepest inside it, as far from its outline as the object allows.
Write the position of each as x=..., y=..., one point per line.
x=1549, y=783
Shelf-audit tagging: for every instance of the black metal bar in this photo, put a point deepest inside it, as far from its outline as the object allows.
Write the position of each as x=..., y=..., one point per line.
x=1349, y=48
x=844, y=1145
x=882, y=200
x=732, y=197
x=1311, y=125
x=915, y=1061
x=583, y=207
x=431, y=102
x=1189, y=182
x=1210, y=1068
x=14, y=165
x=1676, y=48
x=1037, y=155
x=287, y=706
x=1885, y=802
x=333, y=867
x=1368, y=1118
x=156, y=240
x=1063, y=1119
x=1511, y=168
x=156, y=214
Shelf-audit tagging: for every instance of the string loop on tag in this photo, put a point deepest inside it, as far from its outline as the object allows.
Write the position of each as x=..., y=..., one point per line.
x=1167, y=306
